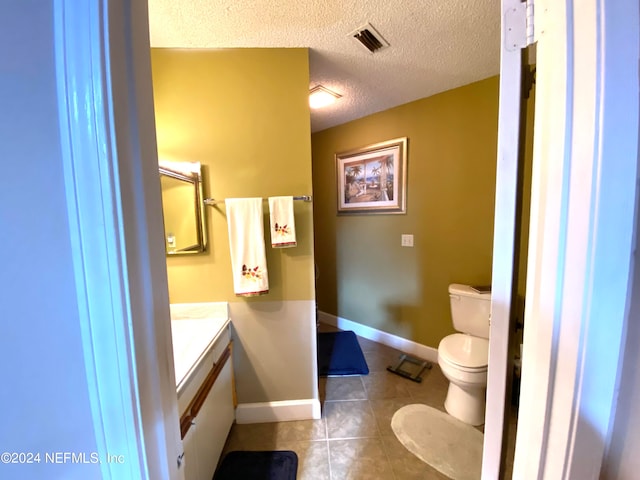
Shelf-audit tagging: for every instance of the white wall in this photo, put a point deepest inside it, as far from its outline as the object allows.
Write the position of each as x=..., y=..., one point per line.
x=274, y=359
x=44, y=385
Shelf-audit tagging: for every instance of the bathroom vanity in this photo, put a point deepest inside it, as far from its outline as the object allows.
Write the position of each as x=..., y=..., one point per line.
x=204, y=379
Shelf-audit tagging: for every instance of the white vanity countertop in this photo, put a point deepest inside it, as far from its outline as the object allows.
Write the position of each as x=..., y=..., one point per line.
x=195, y=327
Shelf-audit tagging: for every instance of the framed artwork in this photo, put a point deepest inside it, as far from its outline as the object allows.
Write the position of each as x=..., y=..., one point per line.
x=373, y=179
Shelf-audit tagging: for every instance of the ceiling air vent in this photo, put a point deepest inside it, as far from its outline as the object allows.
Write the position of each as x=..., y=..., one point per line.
x=369, y=38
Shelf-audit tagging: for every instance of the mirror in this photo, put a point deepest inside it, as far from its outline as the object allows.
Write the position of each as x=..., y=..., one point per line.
x=183, y=208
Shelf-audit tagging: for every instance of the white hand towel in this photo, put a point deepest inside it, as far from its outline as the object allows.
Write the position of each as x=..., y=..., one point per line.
x=283, y=226
x=246, y=244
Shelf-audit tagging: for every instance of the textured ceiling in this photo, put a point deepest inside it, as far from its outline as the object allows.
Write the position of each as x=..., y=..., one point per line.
x=436, y=45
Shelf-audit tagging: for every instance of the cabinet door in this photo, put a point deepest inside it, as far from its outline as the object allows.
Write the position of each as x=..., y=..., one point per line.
x=213, y=423
x=190, y=459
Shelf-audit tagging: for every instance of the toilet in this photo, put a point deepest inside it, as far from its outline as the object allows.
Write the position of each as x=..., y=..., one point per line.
x=463, y=356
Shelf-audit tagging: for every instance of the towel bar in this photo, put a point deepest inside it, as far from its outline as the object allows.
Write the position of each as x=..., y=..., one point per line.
x=213, y=201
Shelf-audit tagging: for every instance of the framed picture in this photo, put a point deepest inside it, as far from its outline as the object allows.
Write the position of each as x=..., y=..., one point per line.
x=373, y=179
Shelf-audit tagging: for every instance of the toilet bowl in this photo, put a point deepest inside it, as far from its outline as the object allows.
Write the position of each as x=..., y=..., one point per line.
x=463, y=357
x=463, y=361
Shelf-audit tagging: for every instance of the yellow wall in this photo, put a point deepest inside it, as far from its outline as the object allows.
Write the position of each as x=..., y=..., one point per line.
x=364, y=274
x=244, y=114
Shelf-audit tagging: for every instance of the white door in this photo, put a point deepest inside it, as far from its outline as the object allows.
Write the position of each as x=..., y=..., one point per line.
x=506, y=224
x=581, y=242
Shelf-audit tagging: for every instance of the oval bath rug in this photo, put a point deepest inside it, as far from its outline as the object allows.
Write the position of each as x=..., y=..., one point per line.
x=447, y=444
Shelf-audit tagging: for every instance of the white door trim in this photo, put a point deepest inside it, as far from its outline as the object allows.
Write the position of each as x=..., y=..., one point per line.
x=113, y=195
x=581, y=237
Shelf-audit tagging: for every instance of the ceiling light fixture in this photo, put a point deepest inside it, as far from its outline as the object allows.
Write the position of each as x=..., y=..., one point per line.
x=320, y=96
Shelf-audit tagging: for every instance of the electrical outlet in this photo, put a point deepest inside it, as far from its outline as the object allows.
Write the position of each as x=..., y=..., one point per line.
x=406, y=240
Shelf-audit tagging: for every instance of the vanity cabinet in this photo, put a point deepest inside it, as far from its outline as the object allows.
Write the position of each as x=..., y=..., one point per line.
x=207, y=410
x=213, y=424
x=190, y=465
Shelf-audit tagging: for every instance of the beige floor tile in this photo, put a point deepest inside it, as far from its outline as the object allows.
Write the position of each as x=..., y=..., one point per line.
x=301, y=430
x=267, y=436
x=379, y=385
x=383, y=411
x=354, y=440
x=406, y=465
x=379, y=359
x=256, y=436
x=313, y=459
x=432, y=390
x=350, y=419
x=359, y=459
x=344, y=388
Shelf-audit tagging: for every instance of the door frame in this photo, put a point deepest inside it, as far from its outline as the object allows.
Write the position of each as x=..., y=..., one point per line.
x=107, y=131
x=582, y=238
x=564, y=390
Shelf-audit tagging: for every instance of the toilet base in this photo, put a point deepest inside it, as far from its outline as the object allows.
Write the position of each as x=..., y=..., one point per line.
x=467, y=404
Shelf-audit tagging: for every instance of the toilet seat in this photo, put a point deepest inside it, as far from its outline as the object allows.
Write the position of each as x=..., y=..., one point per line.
x=460, y=368
x=465, y=352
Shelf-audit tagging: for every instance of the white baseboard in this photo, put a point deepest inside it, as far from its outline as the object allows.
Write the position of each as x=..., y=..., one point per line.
x=393, y=341
x=265, y=412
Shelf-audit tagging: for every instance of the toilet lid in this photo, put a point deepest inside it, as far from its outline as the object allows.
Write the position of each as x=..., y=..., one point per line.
x=465, y=350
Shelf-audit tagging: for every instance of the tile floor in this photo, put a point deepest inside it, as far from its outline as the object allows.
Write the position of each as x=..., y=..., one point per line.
x=353, y=440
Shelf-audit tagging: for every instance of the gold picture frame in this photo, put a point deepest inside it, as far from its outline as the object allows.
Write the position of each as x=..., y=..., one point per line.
x=373, y=179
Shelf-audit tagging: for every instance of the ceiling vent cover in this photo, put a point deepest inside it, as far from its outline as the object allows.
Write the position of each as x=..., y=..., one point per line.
x=369, y=38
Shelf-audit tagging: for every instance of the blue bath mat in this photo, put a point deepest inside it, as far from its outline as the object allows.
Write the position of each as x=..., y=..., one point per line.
x=339, y=353
x=275, y=465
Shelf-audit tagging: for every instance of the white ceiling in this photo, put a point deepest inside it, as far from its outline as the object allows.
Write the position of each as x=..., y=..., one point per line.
x=436, y=45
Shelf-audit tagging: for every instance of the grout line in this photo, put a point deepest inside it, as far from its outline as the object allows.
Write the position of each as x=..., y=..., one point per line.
x=354, y=438
x=326, y=436
x=347, y=400
x=364, y=387
x=382, y=445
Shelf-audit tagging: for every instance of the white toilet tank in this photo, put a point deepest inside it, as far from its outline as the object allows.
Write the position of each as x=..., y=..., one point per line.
x=470, y=309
